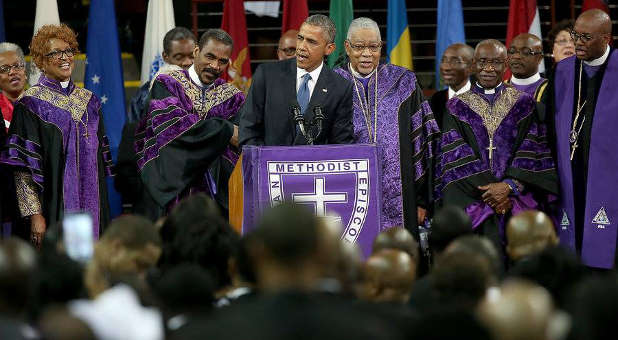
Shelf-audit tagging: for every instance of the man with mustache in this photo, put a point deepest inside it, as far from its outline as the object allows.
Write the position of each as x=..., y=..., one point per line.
x=525, y=55
x=304, y=82
x=494, y=159
x=584, y=103
x=190, y=125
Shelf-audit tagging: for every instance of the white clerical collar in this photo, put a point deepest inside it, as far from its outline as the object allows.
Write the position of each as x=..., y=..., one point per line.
x=358, y=75
x=65, y=84
x=196, y=79
x=600, y=60
x=452, y=93
x=489, y=91
x=526, y=81
x=314, y=74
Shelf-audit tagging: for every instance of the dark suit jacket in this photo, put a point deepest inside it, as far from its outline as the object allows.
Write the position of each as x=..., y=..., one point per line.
x=265, y=118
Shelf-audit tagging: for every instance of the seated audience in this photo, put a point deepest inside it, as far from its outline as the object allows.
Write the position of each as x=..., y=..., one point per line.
x=528, y=233
x=388, y=276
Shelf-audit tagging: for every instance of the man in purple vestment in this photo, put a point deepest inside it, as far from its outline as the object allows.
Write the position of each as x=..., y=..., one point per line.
x=188, y=141
x=391, y=112
x=494, y=157
x=525, y=54
x=583, y=103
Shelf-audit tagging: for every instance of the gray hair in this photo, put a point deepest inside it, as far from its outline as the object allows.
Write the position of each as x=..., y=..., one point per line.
x=493, y=42
x=10, y=47
x=363, y=22
x=325, y=23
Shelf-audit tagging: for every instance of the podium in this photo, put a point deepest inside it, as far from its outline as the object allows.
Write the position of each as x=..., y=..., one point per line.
x=338, y=181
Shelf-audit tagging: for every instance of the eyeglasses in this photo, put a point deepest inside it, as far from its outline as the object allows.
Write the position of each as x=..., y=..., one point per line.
x=524, y=52
x=585, y=37
x=289, y=51
x=494, y=63
x=455, y=62
x=69, y=53
x=563, y=42
x=6, y=69
x=373, y=47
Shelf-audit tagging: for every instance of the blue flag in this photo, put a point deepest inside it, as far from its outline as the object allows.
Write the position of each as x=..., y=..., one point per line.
x=104, y=79
x=450, y=30
x=2, y=36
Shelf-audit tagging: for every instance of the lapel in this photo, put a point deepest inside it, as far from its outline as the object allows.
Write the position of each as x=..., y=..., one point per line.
x=319, y=95
x=289, y=81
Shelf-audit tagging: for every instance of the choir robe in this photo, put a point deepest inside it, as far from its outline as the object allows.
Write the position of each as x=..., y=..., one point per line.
x=182, y=144
x=407, y=139
x=521, y=152
x=59, y=153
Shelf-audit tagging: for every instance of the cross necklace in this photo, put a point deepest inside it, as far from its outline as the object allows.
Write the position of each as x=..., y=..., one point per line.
x=365, y=108
x=575, y=131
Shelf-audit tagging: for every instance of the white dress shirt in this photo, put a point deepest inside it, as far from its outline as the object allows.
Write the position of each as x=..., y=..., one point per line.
x=600, y=60
x=300, y=72
x=196, y=79
x=526, y=81
x=452, y=93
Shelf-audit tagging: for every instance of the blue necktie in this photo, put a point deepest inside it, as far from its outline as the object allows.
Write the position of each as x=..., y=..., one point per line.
x=303, y=93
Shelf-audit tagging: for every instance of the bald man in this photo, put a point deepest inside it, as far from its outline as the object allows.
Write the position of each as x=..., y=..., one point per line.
x=397, y=238
x=287, y=45
x=584, y=105
x=388, y=276
x=525, y=54
x=495, y=160
x=522, y=311
x=529, y=233
x=455, y=70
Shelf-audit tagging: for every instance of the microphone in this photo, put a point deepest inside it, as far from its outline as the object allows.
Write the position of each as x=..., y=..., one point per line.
x=318, y=118
x=298, y=117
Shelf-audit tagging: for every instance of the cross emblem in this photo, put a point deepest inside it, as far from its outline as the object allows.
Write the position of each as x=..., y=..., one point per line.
x=491, y=149
x=319, y=197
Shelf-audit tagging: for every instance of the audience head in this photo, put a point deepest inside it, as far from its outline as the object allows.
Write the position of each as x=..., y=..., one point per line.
x=529, y=233
x=185, y=289
x=58, y=324
x=12, y=70
x=212, y=55
x=388, y=276
x=178, y=47
x=522, y=311
x=18, y=262
x=397, y=238
x=594, y=308
x=315, y=40
x=287, y=45
x=592, y=33
x=560, y=40
x=490, y=60
x=456, y=65
x=363, y=45
x=448, y=224
x=53, y=48
x=525, y=54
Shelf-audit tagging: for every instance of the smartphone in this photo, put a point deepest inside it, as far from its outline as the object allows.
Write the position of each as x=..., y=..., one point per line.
x=77, y=236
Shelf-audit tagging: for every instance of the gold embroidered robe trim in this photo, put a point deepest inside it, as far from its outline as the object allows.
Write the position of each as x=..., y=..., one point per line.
x=76, y=103
x=492, y=116
x=27, y=196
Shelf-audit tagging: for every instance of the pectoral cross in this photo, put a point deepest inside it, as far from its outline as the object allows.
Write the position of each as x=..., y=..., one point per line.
x=491, y=149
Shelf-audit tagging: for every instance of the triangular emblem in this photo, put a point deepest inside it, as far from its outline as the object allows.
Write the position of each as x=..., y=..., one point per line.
x=601, y=217
x=565, y=219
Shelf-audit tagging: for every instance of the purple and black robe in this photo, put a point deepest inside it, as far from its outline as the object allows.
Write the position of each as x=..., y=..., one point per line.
x=535, y=89
x=407, y=138
x=520, y=152
x=588, y=182
x=182, y=144
x=59, y=153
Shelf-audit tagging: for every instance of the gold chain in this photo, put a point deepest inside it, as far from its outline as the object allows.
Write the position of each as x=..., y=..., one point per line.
x=365, y=109
x=574, y=134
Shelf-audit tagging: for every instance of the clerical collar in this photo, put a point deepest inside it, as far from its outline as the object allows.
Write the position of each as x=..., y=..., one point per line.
x=452, y=93
x=600, y=60
x=526, y=81
x=489, y=91
x=65, y=84
x=196, y=79
x=358, y=75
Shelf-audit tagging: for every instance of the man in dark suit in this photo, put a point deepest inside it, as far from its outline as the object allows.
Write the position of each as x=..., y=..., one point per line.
x=267, y=118
x=455, y=71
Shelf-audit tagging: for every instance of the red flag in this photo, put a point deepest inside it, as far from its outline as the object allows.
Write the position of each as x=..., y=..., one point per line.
x=523, y=18
x=294, y=14
x=591, y=4
x=234, y=22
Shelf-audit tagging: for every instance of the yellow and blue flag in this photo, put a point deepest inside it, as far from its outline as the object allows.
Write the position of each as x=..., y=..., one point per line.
x=398, y=45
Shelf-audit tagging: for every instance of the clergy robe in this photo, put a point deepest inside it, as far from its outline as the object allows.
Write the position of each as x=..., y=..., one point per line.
x=588, y=183
x=521, y=153
x=407, y=137
x=535, y=89
x=58, y=151
x=182, y=144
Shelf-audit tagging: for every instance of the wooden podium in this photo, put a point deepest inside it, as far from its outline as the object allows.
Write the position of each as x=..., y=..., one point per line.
x=236, y=197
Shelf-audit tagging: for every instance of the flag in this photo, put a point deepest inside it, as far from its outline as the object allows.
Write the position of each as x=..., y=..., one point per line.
x=263, y=8
x=398, y=45
x=104, y=78
x=2, y=35
x=342, y=13
x=592, y=4
x=523, y=18
x=235, y=23
x=159, y=20
x=46, y=14
x=294, y=14
x=450, y=30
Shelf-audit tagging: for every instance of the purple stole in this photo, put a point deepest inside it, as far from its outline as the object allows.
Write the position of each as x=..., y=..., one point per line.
x=530, y=88
x=601, y=214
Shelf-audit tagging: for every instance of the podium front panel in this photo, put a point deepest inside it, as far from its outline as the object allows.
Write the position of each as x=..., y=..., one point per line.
x=340, y=182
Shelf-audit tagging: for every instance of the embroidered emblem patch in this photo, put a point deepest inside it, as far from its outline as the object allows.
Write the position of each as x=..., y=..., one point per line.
x=565, y=223
x=601, y=219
